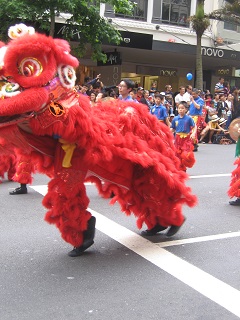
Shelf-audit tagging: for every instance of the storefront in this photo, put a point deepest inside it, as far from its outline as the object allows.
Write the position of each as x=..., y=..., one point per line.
x=146, y=60
x=169, y=63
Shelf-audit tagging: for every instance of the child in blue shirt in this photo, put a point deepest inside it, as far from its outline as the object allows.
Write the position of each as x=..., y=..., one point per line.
x=159, y=110
x=185, y=132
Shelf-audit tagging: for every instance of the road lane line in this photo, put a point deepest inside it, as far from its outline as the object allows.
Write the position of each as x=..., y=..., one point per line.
x=209, y=286
x=199, y=239
x=211, y=175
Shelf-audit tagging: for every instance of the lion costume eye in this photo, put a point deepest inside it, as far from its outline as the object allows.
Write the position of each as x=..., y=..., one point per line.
x=30, y=67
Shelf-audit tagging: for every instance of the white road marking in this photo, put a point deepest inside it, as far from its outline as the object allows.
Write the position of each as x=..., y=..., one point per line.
x=199, y=239
x=209, y=286
x=211, y=176
x=42, y=189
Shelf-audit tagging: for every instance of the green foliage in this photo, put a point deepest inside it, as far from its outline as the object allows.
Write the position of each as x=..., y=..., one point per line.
x=121, y=6
x=200, y=11
x=83, y=15
x=230, y=12
x=200, y=22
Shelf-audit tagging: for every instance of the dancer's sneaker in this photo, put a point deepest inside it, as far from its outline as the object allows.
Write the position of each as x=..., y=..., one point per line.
x=174, y=229
x=88, y=236
x=152, y=232
x=235, y=202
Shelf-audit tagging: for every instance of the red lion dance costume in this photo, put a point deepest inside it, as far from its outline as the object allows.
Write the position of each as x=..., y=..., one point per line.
x=234, y=189
x=117, y=145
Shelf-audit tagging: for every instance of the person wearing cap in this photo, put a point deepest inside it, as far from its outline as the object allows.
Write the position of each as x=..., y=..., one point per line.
x=172, y=115
x=211, y=128
x=221, y=122
x=124, y=87
x=224, y=136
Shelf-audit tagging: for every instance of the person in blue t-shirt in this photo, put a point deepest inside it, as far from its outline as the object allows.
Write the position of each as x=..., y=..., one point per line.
x=185, y=129
x=124, y=88
x=196, y=112
x=159, y=110
x=196, y=104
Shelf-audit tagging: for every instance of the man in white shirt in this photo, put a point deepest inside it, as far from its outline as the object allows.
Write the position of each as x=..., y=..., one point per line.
x=182, y=96
x=219, y=87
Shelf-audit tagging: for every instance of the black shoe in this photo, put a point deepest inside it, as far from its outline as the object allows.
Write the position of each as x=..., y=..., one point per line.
x=78, y=251
x=235, y=202
x=195, y=148
x=88, y=237
x=151, y=232
x=19, y=190
x=174, y=229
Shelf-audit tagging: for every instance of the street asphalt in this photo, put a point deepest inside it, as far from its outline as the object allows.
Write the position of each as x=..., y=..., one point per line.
x=193, y=275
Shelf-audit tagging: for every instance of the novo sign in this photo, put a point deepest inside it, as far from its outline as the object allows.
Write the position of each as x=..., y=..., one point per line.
x=168, y=72
x=212, y=52
x=223, y=72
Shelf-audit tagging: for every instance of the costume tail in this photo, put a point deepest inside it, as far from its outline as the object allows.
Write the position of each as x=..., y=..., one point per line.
x=234, y=190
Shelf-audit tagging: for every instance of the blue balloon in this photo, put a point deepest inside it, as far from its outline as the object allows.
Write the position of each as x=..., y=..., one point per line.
x=189, y=76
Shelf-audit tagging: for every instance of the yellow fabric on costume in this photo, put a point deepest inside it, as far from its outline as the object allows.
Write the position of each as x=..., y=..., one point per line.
x=182, y=134
x=68, y=148
x=195, y=118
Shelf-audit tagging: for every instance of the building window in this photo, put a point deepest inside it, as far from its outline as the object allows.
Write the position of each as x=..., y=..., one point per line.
x=174, y=12
x=231, y=26
x=139, y=11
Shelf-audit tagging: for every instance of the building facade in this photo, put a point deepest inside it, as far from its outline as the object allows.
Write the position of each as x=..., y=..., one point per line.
x=159, y=45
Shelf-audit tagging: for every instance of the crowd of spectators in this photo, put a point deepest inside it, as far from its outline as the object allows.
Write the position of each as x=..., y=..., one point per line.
x=217, y=109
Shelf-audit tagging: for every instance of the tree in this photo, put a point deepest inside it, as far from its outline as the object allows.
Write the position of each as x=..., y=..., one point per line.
x=82, y=15
x=230, y=12
x=201, y=21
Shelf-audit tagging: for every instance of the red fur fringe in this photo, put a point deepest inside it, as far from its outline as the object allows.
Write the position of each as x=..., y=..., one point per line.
x=67, y=202
x=118, y=133
x=117, y=142
x=7, y=164
x=234, y=189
